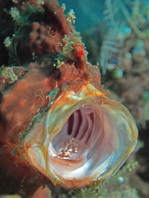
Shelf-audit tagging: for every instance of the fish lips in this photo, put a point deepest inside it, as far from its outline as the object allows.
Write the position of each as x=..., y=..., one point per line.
x=84, y=138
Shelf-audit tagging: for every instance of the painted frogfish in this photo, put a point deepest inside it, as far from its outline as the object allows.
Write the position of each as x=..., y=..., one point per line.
x=57, y=122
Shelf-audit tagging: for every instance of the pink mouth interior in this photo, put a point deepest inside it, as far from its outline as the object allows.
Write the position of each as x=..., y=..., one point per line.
x=83, y=136
x=92, y=143
x=80, y=124
x=86, y=144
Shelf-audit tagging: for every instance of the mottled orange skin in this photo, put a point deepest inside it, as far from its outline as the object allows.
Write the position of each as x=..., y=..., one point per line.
x=79, y=50
x=29, y=96
x=26, y=98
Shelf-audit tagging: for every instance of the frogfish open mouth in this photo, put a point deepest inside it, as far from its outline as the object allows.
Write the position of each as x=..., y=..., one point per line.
x=56, y=120
x=86, y=138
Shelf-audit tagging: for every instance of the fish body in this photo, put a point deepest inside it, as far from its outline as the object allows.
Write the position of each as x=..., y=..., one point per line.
x=57, y=122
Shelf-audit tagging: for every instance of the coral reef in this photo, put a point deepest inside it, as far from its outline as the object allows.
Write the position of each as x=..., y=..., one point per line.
x=123, y=54
x=123, y=58
x=132, y=59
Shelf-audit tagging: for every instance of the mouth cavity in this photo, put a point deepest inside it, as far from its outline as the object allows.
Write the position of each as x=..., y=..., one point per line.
x=84, y=142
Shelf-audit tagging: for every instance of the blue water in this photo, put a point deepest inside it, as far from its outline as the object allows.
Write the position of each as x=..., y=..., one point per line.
x=88, y=12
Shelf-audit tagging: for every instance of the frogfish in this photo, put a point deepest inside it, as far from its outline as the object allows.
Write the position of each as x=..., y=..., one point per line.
x=57, y=122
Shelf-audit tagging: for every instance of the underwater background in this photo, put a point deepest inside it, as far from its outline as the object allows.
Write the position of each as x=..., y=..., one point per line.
x=116, y=36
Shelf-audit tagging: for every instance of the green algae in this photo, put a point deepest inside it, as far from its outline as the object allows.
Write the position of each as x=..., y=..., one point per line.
x=8, y=73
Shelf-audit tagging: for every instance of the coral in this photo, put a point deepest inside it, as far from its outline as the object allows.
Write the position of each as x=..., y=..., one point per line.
x=121, y=18
x=7, y=75
x=73, y=49
x=71, y=16
x=123, y=56
x=7, y=42
x=15, y=14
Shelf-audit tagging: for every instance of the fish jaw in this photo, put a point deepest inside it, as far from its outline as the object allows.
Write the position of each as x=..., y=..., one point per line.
x=92, y=147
